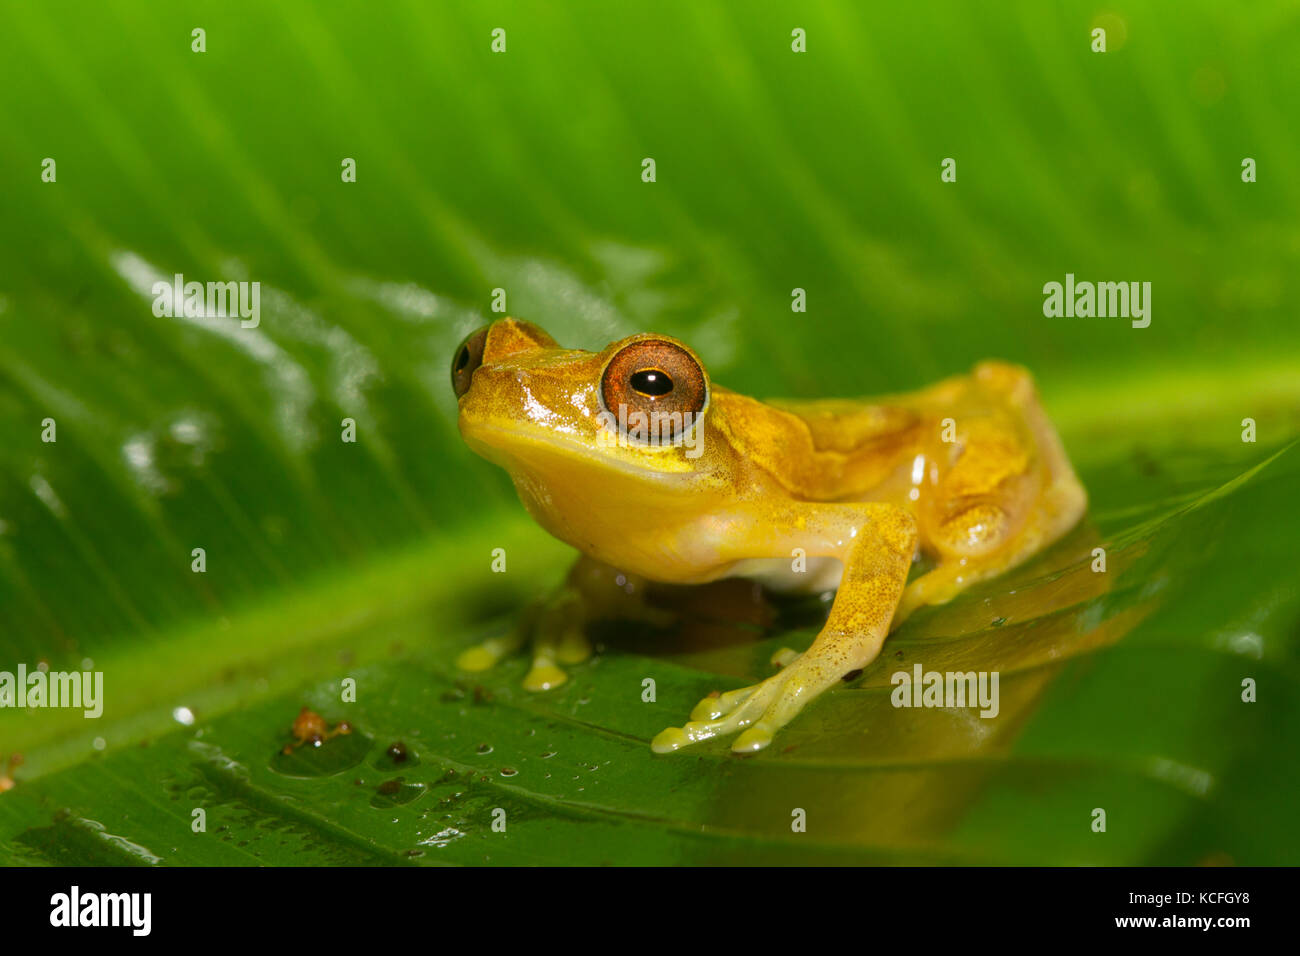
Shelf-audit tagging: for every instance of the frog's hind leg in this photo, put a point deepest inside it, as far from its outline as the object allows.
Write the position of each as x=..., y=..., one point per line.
x=985, y=519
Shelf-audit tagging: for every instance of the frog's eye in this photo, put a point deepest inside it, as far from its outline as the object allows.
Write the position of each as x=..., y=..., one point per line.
x=659, y=379
x=467, y=358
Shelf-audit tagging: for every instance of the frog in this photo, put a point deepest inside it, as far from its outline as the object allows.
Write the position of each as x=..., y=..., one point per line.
x=657, y=475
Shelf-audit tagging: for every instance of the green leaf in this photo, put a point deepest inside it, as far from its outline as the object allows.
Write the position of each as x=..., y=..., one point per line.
x=328, y=560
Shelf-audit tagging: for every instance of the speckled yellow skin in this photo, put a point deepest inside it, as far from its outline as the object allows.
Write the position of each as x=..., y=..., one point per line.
x=799, y=495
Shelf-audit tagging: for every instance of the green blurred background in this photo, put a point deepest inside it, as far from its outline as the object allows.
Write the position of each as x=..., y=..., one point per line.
x=522, y=171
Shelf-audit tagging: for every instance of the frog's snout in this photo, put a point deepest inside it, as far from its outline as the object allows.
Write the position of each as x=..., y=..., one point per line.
x=492, y=343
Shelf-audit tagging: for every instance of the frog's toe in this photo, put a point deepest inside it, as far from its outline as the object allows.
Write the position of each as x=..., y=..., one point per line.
x=573, y=647
x=545, y=674
x=785, y=657
x=559, y=636
x=475, y=659
x=753, y=740
x=758, y=711
x=726, y=713
x=487, y=655
x=719, y=705
x=554, y=627
x=796, y=685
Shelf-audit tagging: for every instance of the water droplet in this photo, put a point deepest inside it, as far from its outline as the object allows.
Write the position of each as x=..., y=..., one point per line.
x=442, y=837
x=333, y=756
x=395, y=792
x=396, y=756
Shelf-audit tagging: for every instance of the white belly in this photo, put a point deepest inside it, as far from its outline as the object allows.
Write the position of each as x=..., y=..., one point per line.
x=782, y=575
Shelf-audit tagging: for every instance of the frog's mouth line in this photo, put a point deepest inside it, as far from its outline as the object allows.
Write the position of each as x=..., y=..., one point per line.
x=498, y=444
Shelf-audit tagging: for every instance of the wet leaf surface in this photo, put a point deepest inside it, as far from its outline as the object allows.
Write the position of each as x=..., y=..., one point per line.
x=328, y=560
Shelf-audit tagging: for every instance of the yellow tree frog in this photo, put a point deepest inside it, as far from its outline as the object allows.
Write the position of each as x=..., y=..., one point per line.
x=636, y=458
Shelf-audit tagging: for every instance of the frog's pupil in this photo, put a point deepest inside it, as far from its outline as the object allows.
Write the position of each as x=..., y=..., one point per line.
x=463, y=359
x=651, y=381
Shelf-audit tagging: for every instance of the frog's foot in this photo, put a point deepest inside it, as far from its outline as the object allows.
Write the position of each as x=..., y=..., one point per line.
x=553, y=646
x=556, y=629
x=759, y=710
x=485, y=656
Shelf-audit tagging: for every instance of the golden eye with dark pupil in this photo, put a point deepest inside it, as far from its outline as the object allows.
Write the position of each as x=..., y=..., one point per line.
x=655, y=382
x=467, y=359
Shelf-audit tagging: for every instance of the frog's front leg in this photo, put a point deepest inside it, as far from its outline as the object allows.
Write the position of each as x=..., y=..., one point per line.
x=875, y=544
x=557, y=624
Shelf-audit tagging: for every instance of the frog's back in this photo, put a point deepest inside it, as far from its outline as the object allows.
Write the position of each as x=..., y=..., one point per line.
x=854, y=427
x=826, y=450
